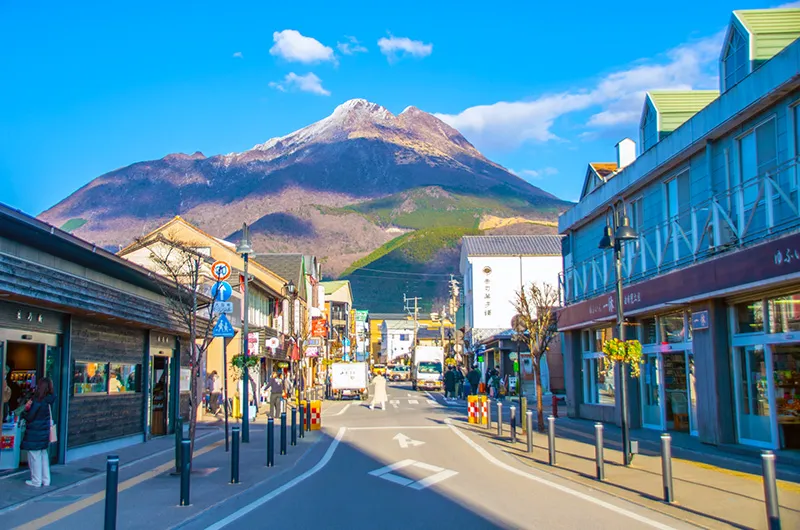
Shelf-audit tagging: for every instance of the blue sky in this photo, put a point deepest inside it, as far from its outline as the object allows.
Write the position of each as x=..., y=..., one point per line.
x=542, y=88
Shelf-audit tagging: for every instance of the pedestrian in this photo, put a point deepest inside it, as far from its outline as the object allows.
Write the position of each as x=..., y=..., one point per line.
x=460, y=383
x=379, y=393
x=494, y=384
x=449, y=383
x=216, y=393
x=276, y=389
x=38, y=416
x=474, y=378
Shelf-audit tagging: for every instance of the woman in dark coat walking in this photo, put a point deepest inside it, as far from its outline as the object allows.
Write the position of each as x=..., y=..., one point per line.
x=36, y=441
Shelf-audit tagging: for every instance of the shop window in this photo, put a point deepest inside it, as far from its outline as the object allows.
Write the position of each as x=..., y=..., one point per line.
x=90, y=378
x=125, y=378
x=649, y=334
x=784, y=314
x=598, y=383
x=673, y=328
x=750, y=317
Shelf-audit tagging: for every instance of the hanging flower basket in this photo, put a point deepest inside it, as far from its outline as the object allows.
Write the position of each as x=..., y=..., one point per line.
x=628, y=352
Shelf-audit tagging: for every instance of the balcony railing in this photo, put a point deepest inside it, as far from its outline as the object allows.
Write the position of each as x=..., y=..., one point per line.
x=762, y=207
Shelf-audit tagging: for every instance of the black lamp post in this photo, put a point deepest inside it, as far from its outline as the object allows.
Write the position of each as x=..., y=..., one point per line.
x=245, y=250
x=519, y=335
x=290, y=291
x=614, y=240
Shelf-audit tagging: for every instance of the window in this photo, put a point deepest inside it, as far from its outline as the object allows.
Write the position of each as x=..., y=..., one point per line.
x=758, y=155
x=750, y=317
x=125, y=378
x=649, y=335
x=598, y=383
x=403, y=336
x=673, y=328
x=648, y=132
x=90, y=378
x=635, y=214
x=784, y=314
x=677, y=195
x=106, y=378
x=734, y=62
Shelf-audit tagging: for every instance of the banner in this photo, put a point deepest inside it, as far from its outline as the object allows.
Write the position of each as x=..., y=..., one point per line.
x=319, y=327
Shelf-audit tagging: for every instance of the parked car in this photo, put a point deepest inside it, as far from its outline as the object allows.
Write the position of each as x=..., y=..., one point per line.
x=399, y=372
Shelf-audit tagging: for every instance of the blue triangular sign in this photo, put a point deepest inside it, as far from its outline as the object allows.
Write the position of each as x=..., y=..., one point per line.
x=223, y=328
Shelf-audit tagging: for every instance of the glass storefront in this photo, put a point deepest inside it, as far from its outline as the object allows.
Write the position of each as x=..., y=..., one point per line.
x=667, y=386
x=766, y=365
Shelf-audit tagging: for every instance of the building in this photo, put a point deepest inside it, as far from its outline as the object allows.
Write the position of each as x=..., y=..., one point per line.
x=397, y=338
x=712, y=284
x=338, y=304
x=376, y=321
x=100, y=327
x=362, y=335
x=265, y=296
x=494, y=269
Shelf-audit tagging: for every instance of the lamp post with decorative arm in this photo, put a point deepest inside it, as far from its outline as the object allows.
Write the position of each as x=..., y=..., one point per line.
x=245, y=250
x=614, y=239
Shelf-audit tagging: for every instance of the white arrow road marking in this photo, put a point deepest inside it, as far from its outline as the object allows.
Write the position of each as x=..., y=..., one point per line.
x=431, y=402
x=406, y=442
x=439, y=475
x=413, y=402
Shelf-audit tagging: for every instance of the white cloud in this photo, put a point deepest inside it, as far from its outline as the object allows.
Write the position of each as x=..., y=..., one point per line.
x=294, y=47
x=305, y=83
x=238, y=55
x=535, y=173
x=618, y=98
x=790, y=4
x=396, y=47
x=351, y=47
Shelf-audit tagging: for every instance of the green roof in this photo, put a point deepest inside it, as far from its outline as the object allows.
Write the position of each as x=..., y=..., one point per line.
x=771, y=30
x=675, y=107
x=332, y=287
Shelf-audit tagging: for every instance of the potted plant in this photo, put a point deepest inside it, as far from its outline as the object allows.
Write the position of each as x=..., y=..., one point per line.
x=628, y=352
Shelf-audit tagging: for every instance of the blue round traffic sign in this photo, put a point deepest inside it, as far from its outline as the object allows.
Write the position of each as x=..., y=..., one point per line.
x=221, y=291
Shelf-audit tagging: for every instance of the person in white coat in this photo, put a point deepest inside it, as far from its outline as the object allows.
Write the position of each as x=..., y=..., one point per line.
x=380, y=393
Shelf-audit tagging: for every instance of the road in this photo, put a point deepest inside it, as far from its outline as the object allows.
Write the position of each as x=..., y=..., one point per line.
x=411, y=466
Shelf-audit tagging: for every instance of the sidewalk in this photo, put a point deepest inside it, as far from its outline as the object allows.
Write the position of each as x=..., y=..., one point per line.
x=712, y=489
x=149, y=484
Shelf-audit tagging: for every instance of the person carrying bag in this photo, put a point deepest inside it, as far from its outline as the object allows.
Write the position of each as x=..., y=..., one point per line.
x=40, y=432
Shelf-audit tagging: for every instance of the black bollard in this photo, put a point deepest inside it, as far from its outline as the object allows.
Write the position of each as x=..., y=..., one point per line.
x=235, y=456
x=529, y=432
x=283, y=433
x=551, y=439
x=770, y=490
x=308, y=416
x=302, y=420
x=513, y=422
x=270, y=442
x=186, y=447
x=666, y=466
x=294, y=426
x=112, y=490
x=600, y=462
x=178, y=438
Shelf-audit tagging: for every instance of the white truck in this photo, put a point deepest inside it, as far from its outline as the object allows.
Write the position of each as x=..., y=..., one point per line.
x=350, y=379
x=428, y=367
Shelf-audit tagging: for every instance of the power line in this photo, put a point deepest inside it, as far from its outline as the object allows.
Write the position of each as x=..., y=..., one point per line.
x=404, y=273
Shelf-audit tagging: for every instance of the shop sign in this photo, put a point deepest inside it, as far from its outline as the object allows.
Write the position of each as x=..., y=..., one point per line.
x=252, y=344
x=319, y=327
x=283, y=365
x=312, y=351
x=361, y=315
x=30, y=316
x=186, y=379
x=700, y=320
x=6, y=442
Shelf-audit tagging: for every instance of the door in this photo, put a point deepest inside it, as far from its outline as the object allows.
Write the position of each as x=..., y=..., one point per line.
x=159, y=394
x=52, y=370
x=786, y=370
x=651, y=391
x=676, y=399
x=692, y=393
x=753, y=379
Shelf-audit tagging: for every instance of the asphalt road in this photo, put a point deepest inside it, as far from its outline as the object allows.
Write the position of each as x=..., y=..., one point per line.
x=411, y=466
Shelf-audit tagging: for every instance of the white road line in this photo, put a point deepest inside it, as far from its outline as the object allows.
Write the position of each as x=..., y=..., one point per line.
x=433, y=479
x=413, y=402
x=429, y=467
x=395, y=405
x=559, y=487
x=341, y=411
x=392, y=467
x=397, y=427
x=289, y=485
x=431, y=402
x=394, y=401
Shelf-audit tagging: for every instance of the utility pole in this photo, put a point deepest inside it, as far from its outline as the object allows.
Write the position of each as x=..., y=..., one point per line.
x=407, y=304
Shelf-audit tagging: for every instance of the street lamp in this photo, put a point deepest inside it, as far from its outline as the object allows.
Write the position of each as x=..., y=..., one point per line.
x=245, y=250
x=519, y=335
x=614, y=240
x=290, y=291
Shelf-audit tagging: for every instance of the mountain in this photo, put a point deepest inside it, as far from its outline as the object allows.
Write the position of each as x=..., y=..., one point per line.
x=344, y=188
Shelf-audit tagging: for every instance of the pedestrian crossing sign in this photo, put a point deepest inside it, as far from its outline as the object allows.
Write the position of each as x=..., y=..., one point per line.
x=223, y=328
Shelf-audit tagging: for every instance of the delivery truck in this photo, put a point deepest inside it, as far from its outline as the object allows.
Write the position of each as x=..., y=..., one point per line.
x=426, y=374
x=350, y=380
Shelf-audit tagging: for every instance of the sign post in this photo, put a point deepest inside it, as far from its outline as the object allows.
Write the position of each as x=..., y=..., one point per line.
x=224, y=329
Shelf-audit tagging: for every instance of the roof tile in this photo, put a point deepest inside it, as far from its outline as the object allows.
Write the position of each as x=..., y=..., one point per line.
x=541, y=245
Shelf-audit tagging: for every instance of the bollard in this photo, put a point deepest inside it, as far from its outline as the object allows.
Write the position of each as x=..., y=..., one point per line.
x=294, y=426
x=235, y=456
x=186, y=447
x=551, y=439
x=270, y=442
x=598, y=451
x=302, y=420
x=178, y=438
x=112, y=490
x=513, y=423
x=308, y=416
x=770, y=490
x=555, y=405
x=523, y=407
x=488, y=413
x=499, y=419
x=529, y=432
x=283, y=433
x=666, y=466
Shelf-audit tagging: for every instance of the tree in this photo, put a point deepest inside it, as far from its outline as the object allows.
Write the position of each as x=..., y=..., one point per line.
x=188, y=275
x=536, y=313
